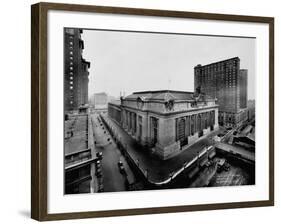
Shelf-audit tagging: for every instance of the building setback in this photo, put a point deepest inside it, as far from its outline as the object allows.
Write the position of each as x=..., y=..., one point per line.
x=164, y=121
x=75, y=70
x=225, y=81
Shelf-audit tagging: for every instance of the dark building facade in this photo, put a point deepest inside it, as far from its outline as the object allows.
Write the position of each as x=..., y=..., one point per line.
x=243, y=84
x=75, y=70
x=225, y=81
x=79, y=153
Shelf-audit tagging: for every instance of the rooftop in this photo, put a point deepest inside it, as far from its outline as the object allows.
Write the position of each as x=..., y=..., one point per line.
x=100, y=94
x=229, y=59
x=75, y=134
x=115, y=102
x=161, y=91
x=163, y=95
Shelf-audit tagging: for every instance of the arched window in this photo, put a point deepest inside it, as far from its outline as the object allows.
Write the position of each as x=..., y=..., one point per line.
x=187, y=123
x=199, y=122
x=200, y=125
x=192, y=126
x=154, y=130
x=206, y=120
x=181, y=131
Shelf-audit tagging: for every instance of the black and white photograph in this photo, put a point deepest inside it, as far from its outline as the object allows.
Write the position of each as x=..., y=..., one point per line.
x=156, y=111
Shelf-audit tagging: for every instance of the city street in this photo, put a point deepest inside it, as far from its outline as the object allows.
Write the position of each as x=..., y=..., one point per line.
x=113, y=180
x=158, y=170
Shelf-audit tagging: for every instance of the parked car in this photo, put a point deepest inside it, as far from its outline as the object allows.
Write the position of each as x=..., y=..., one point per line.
x=98, y=164
x=98, y=172
x=99, y=155
x=221, y=163
x=121, y=167
x=226, y=167
x=217, y=138
x=99, y=175
x=101, y=189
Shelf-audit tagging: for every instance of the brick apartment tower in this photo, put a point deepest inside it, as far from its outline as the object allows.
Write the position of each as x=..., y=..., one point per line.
x=75, y=70
x=225, y=81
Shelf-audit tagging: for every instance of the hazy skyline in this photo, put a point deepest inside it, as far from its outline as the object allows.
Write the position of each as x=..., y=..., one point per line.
x=133, y=61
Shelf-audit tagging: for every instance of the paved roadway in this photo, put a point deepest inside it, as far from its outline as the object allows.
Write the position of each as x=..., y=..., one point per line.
x=113, y=180
x=158, y=170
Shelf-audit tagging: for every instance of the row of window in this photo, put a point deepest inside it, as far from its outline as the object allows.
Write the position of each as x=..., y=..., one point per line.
x=206, y=71
x=71, y=70
x=220, y=65
x=71, y=66
x=130, y=121
x=189, y=125
x=115, y=114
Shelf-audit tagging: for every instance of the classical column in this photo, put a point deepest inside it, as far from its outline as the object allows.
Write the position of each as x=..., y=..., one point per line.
x=176, y=129
x=187, y=124
x=129, y=116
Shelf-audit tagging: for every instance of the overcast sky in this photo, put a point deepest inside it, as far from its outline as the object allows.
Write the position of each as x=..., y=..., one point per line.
x=130, y=61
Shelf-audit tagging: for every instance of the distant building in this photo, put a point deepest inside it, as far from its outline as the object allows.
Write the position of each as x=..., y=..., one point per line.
x=251, y=109
x=225, y=81
x=75, y=70
x=100, y=100
x=165, y=121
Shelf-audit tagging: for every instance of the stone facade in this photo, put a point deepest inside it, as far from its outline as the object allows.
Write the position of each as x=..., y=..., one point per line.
x=166, y=122
x=225, y=81
x=75, y=70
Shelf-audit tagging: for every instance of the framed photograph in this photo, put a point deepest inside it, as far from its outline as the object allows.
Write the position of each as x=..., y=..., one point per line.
x=141, y=111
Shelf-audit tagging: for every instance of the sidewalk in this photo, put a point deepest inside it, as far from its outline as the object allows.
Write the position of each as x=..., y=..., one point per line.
x=156, y=170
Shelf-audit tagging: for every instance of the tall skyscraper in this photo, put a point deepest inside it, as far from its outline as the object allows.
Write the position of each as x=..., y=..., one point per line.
x=225, y=81
x=75, y=70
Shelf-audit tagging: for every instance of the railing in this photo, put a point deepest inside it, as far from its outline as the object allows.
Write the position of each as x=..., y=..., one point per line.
x=144, y=171
x=79, y=164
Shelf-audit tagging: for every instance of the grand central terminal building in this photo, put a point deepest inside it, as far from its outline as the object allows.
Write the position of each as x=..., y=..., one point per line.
x=167, y=122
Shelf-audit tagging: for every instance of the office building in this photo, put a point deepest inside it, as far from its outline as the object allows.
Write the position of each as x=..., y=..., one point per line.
x=75, y=70
x=225, y=81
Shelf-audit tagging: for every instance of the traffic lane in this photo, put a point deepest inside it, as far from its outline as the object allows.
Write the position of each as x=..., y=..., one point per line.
x=113, y=180
x=159, y=170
